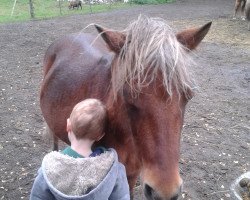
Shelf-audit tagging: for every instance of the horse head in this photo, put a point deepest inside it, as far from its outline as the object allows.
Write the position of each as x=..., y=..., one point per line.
x=151, y=85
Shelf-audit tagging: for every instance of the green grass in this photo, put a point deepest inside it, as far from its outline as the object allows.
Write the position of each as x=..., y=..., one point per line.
x=152, y=1
x=45, y=9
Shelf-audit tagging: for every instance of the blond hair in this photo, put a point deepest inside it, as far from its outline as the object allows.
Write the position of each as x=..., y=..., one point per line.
x=88, y=119
x=151, y=47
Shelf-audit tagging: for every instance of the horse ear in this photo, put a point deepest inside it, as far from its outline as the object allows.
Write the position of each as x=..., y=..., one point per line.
x=114, y=39
x=191, y=38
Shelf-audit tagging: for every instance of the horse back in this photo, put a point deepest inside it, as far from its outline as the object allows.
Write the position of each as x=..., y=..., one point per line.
x=75, y=68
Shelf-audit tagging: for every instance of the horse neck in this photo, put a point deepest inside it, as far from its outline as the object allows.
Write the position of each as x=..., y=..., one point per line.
x=120, y=137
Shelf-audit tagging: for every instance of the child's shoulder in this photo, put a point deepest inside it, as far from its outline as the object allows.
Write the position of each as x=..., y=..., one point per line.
x=98, y=151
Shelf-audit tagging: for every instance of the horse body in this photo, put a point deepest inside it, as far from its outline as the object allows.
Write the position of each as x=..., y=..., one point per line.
x=77, y=76
x=75, y=4
x=144, y=124
x=87, y=75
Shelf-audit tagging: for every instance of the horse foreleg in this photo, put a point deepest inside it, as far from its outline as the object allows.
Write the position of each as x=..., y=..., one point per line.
x=55, y=143
x=48, y=134
x=236, y=8
x=243, y=14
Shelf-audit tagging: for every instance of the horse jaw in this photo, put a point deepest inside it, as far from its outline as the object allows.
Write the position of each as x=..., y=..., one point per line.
x=191, y=38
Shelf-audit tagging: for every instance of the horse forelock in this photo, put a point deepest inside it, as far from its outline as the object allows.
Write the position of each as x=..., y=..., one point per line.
x=151, y=48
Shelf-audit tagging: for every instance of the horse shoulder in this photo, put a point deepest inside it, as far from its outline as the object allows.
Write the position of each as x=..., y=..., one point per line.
x=75, y=70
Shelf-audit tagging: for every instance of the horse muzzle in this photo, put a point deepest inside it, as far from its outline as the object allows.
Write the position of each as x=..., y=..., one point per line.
x=151, y=194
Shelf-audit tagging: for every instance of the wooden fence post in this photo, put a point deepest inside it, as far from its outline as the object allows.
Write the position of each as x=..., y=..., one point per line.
x=32, y=14
x=60, y=6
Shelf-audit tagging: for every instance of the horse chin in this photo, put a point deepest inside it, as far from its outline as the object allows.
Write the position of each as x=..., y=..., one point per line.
x=151, y=194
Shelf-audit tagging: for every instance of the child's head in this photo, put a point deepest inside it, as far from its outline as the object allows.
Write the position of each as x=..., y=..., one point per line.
x=87, y=120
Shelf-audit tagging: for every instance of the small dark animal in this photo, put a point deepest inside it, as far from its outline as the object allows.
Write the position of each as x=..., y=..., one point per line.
x=75, y=4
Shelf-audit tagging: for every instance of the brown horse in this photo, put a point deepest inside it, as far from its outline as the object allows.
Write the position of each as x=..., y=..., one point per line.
x=142, y=75
x=75, y=4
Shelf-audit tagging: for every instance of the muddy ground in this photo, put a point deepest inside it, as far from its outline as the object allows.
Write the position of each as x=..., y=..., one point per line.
x=216, y=138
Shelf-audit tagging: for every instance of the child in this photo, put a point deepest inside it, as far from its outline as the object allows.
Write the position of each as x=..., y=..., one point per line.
x=78, y=172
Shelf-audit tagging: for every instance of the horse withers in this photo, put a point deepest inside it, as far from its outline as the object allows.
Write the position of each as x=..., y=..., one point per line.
x=142, y=75
x=75, y=4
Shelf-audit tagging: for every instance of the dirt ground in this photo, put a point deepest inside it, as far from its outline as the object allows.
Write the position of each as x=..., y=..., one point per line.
x=215, y=147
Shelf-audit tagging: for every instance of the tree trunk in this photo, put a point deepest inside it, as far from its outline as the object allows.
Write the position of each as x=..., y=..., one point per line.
x=32, y=14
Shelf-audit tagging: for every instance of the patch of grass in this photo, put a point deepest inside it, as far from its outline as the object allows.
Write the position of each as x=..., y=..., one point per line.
x=152, y=1
x=50, y=8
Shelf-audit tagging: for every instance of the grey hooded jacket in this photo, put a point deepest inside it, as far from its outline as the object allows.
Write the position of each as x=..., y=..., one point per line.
x=62, y=177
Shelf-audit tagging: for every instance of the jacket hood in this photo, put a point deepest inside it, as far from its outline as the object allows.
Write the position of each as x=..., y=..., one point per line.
x=80, y=178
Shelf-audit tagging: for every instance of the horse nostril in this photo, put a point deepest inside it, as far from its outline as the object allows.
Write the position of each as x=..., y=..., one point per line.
x=175, y=197
x=148, y=190
x=150, y=193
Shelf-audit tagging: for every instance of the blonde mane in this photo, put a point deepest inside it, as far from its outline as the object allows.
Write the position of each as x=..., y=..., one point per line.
x=151, y=48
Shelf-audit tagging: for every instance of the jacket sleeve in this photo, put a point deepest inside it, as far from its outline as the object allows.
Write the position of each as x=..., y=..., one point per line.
x=121, y=189
x=40, y=189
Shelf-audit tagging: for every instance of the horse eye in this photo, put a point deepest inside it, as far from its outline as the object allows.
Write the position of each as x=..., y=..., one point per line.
x=190, y=95
x=132, y=109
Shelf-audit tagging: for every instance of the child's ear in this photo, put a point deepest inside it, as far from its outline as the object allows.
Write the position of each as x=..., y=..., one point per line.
x=100, y=137
x=68, y=125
